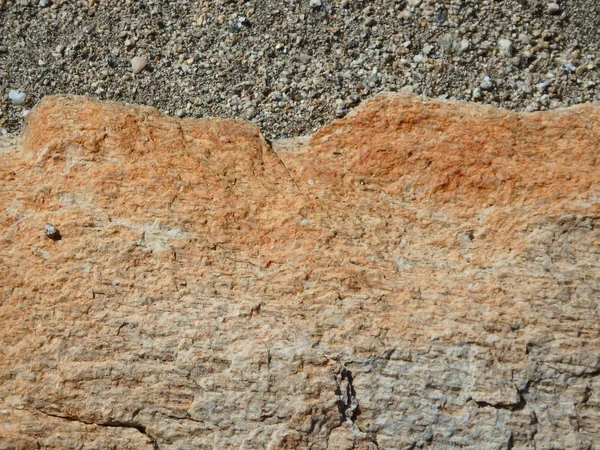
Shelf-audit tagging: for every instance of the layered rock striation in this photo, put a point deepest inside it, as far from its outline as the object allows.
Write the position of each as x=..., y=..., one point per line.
x=418, y=274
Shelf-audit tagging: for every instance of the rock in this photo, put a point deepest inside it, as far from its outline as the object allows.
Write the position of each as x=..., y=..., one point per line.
x=464, y=46
x=138, y=63
x=506, y=47
x=340, y=111
x=52, y=232
x=17, y=97
x=316, y=3
x=420, y=273
x=487, y=84
x=449, y=43
x=553, y=8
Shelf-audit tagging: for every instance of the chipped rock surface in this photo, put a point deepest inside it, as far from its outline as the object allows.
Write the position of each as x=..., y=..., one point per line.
x=417, y=274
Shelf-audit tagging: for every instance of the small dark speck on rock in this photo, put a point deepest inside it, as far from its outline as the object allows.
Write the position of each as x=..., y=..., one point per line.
x=52, y=232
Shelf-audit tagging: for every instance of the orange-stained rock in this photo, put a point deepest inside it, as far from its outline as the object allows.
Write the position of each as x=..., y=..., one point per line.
x=418, y=274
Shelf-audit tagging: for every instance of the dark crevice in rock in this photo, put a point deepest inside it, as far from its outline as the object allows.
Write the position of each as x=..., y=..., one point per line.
x=518, y=406
x=347, y=403
x=510, y=444
x=185, y=418
x=107, y=423
x=591, y=374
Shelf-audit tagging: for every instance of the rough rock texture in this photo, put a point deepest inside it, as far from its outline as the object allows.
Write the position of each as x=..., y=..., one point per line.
x=417, y=274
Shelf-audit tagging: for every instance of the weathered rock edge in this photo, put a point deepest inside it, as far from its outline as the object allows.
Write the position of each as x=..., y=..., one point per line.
x=417, y=274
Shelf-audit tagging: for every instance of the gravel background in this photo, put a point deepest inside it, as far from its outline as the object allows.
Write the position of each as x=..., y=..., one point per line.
x=293, y=65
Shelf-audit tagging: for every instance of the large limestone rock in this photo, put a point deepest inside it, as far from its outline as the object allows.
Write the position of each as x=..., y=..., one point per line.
x=417, y=274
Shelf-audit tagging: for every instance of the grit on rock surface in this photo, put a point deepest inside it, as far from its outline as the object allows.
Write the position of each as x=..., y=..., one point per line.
x=418, y=274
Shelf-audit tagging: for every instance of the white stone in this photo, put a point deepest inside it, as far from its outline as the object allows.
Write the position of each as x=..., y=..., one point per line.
x=553, y=8
x=138, y=64
x=17, y=97
x=506, y=47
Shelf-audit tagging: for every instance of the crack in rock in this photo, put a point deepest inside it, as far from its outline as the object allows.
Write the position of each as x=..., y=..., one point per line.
x=108, y=423
x=347, y=403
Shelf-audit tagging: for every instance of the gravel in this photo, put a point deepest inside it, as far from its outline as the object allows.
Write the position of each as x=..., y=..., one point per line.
x=291, y=66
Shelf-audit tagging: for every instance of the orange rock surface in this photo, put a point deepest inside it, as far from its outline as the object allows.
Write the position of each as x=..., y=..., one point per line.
x=418, y=274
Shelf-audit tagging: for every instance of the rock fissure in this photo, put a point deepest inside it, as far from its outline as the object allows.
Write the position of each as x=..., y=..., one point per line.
x=347, y=402
x=105, y=423
x=170, y=416
x=518, y=406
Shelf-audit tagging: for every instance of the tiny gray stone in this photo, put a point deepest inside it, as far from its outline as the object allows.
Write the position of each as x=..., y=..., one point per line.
x=506, y=47
x=487, y=84
x=340, y=111
x=449, y=42
x=52, y=232
x=553, y=8
x=464, y=46
x=316, y=3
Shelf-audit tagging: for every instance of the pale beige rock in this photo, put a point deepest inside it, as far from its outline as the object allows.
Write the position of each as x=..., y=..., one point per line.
x=418, y=274
x=138, y=63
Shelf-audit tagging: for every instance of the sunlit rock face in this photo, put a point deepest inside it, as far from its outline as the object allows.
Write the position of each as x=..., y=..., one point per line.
x=417, y=274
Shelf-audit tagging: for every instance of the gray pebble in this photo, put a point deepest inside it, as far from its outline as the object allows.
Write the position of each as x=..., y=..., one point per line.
x=553, y=8
x=17, y=97
x=52, y=232
x=506, y=47
x=487, y=84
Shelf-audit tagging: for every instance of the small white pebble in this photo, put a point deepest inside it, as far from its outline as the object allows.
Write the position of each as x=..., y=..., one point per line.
x=138, y=64
x=553, y=8
x=17, y=97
